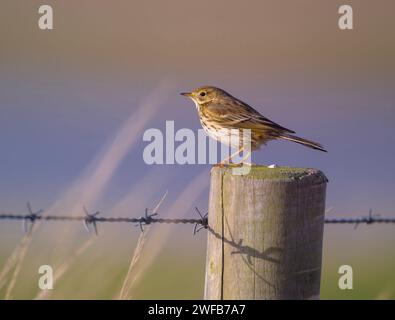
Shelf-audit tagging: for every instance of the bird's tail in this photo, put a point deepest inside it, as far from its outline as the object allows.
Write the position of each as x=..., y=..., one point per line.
x=305, y=142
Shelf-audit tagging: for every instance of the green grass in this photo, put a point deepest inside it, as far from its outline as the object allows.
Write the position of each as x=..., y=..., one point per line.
x=178, y=271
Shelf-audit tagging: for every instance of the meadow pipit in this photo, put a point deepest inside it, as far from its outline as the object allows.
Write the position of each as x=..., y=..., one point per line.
x=219, y=113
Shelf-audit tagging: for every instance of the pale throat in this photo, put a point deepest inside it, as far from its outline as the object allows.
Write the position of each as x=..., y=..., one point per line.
x=196, y=104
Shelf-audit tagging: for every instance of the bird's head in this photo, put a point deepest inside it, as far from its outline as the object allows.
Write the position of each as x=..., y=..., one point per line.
x=205, y=95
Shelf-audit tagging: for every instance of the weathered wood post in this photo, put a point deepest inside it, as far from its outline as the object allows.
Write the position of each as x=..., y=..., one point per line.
x=265, y=234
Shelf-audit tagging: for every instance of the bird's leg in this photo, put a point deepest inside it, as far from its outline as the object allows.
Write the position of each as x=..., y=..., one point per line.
x=223, y=162
x=246, y=157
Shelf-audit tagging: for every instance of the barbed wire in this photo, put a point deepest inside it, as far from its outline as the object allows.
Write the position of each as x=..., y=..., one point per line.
x=369, y=219
x=91, y=219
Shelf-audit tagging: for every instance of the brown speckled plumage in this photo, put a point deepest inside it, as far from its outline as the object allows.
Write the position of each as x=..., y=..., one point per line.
x=219, y=113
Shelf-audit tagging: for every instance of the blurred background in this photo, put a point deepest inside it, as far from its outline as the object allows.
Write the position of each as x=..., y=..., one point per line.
x=75, y=101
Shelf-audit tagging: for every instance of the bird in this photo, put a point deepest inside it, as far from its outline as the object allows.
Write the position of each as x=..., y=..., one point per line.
x=223, y=117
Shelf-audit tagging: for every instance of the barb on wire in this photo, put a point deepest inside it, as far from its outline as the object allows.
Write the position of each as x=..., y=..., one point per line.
x=90, y=218
x=32, y=217
x=146, y=219
x=203, y=224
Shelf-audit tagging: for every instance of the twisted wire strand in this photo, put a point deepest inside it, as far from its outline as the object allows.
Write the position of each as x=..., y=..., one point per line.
x=97, y=219
x=366, y=220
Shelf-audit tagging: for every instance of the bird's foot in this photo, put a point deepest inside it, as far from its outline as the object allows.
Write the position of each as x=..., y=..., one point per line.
x=250, y=164
x=220, y=164
x=240, y=164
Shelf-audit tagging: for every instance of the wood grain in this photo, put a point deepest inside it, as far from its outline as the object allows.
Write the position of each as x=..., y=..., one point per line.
x=265, y=234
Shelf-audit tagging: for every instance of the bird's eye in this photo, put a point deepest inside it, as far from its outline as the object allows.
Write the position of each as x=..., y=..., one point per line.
x=202, y=94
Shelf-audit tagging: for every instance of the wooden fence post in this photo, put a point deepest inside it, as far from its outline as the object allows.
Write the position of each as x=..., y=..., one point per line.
x=265, y=234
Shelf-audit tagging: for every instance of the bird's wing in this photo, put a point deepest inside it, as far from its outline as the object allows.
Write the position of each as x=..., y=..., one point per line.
x=237, y=114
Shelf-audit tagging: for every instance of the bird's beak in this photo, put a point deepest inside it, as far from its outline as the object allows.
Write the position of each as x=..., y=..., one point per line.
x=186, y=94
